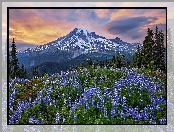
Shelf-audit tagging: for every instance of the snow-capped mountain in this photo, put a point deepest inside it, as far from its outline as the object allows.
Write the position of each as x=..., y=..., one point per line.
x=81, y=41
x=78, y=42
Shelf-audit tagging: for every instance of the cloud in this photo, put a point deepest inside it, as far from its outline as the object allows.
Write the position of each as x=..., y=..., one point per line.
x=121, y=13
x=126, y=13
x=136, y=36
x=102, y=13
x=158, y=13
x=131, y=24
x=32, y=26
x=122, y=26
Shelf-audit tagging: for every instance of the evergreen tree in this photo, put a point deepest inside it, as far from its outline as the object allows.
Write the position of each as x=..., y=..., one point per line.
x=23, y=72
x=159, y=50
x=147, y=54
x=14, y=64
x=137, y=58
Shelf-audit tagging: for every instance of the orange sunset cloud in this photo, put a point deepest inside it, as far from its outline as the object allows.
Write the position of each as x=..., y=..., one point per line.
x=102, y=13
x=121, y=13
x=33, y=29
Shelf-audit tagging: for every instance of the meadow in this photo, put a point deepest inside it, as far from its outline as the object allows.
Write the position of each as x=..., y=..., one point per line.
x=89, y=96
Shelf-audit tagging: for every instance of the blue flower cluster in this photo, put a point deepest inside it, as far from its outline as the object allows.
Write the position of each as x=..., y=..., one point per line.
x=141, y=82
x=16, y=113
x=110, y=101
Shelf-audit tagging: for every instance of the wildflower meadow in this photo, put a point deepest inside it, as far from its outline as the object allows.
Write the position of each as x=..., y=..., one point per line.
x=89, y=96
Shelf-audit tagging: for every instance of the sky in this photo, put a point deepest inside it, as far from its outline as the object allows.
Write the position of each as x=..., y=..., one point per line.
x=33, y=27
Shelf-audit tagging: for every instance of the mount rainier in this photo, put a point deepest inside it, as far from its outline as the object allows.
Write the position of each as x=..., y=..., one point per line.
x=79, y=43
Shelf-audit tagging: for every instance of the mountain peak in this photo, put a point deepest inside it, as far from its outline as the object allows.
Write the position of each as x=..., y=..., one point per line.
x=117, y=38
x=84, y=30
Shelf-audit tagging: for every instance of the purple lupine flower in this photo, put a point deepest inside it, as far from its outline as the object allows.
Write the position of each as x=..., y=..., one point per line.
x=57, y=118
x=12, y=99
x=33, y=121
x=64, y=101
x=139, y=117
x=152, y=122
x=17, y=114
x=105, y=113
x=46, y=99
x=113, y=113
x=49, y=90
x=87, y=105
x=162, y=120
x=73, y=107
x=113, y=102
x=10, y=106
x=75, y=118
x=122, y=115
x=11, y=120
x=125, y=106
x=93, y=103
x=159, y=108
